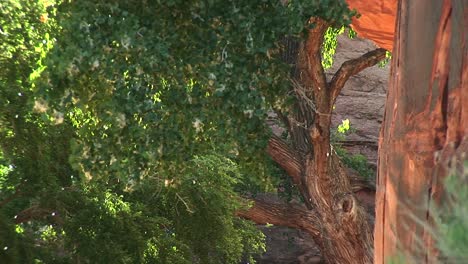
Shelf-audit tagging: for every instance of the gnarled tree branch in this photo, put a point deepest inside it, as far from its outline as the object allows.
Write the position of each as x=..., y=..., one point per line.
x=282, y=154
x=281, y=214
x=291, y=162
x=352, y=67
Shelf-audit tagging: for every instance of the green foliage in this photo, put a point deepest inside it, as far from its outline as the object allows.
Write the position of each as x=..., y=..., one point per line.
x=344, y=126
x=204, y=194
x=450, y=230
x=386, y=60
x=341, y=131
x=451, y=219
x=329, y=45
x=357, y=162
x=128, y=128
x=115, y=228
x=351, y=33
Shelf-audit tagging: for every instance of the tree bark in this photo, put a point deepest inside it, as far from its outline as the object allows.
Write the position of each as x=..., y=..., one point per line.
x=335, y=219
x=424, y=127
x=267, y=210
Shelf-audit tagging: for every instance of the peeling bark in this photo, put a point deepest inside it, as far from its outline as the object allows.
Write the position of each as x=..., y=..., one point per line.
x=282, y=154
x=282, y=214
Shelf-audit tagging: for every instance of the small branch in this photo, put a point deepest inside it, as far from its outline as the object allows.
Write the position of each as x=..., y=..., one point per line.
x=301, y=95
x=281, y=214
x=352, y=67
x=36, y=213
x=185, y=203
x=284, y=119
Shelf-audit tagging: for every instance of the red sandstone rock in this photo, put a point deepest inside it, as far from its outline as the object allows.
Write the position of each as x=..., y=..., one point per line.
x=377, y=20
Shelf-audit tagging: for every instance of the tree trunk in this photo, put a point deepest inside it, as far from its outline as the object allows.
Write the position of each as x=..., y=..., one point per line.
x=332, y=214
x=425, y=124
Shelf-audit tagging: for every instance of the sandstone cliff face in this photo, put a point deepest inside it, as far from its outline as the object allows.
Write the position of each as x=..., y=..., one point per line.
x=376, y=21
x=362, y=102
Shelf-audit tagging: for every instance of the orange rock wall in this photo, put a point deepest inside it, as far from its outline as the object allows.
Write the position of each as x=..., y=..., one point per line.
x=377, y=20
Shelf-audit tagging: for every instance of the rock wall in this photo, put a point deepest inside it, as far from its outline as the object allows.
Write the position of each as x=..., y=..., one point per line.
x=361, y=100
x=376, y=20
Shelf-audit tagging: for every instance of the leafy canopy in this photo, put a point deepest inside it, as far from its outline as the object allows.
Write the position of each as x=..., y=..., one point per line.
x=128, y=129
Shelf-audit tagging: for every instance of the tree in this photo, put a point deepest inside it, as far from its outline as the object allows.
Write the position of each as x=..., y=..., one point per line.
x=424, y=129
x=51, y=209
x=149, y=119
x=333, y=215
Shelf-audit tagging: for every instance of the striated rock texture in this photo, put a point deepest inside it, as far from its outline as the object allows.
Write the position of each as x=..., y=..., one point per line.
x=289, y=246
x=424, y=133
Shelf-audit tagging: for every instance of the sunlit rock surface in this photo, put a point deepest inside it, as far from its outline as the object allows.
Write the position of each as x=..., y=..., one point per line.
x=377, y=20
